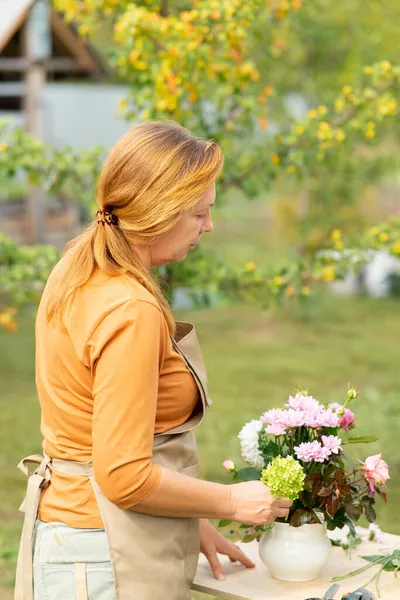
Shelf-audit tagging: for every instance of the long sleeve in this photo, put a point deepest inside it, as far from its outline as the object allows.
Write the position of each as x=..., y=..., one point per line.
x=125, y=353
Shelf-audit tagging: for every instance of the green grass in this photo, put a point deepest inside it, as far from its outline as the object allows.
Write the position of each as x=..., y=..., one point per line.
x=254, y=361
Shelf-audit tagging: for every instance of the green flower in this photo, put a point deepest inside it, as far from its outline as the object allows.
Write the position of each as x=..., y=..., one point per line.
x=284, y=477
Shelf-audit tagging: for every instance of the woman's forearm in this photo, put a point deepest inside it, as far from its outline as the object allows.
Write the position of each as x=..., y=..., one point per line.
x=179, y=495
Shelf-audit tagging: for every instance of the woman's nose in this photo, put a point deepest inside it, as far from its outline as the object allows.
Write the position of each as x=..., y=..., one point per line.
x=208, y=225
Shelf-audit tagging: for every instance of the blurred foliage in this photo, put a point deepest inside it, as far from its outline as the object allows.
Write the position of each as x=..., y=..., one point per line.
x=24, y=271
x=279, y=85
x=23, y=274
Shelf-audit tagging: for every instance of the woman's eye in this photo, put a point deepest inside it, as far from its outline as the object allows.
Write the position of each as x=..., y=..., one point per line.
x=201, y=216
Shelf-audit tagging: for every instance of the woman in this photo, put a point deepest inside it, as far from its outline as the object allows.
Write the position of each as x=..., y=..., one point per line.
x=114, y=508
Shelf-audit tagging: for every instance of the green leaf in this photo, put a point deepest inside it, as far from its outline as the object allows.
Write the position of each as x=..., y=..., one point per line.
x=269, y=449
x=366, y=439
x=351, y=527
x=376, y=558
x=224, y=522
x=245, y=526
x=249, y=537
x=354, y=508
x=370, y=513
x=249, y=474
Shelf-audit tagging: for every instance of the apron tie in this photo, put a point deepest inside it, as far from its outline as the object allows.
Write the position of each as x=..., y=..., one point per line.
x=42, y=470
x=37, y=481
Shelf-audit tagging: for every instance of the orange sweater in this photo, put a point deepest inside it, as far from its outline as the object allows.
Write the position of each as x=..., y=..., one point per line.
x=106, y=385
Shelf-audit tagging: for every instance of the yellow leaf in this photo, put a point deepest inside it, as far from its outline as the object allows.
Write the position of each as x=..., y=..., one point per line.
x=385, y=65
x=275, y=159
x=324, y=126
x=5, y=319
x=340, y=136
x=133, y=56
x=339, y=105
x=328, y=274
x=250, y=266
x=83, y=29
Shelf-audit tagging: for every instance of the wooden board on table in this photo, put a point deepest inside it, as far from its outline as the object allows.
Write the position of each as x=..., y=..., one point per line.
x=257, y=584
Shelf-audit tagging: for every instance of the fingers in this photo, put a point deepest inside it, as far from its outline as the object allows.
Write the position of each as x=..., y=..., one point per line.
x=215, y=565
x=284, y=503
x=236, y=555
x=281, y=512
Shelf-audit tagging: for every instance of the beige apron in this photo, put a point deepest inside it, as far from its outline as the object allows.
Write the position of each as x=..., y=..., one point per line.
x=153, y=558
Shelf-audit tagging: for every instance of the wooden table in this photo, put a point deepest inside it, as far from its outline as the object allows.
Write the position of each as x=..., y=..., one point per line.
x=257, y=584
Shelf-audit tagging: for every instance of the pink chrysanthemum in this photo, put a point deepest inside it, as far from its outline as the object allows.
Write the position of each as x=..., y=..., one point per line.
x=308, y=451
x=332, y=442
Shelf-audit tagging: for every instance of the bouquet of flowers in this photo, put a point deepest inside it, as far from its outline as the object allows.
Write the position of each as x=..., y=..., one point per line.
x=297, y=451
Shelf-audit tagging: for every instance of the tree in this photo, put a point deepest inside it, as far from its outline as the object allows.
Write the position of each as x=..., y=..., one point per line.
x=226, y=70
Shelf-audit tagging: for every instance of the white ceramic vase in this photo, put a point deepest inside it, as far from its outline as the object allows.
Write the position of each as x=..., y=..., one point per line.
x=295, y=553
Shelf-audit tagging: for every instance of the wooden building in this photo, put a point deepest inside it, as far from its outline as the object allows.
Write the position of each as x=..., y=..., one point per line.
x=37, y=48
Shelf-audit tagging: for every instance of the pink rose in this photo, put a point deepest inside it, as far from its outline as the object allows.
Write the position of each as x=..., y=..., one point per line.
x=376, y=470
x=346, y=419
x=229, y=465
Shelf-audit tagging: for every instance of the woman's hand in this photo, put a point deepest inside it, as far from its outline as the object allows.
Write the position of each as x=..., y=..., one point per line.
x=213, y=543
x=252, y=503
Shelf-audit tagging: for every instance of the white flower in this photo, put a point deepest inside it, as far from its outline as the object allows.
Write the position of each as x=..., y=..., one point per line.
x=248, y=437
x=375, y=533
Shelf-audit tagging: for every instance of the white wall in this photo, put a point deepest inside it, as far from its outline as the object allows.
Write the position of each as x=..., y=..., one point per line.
x=80, y=115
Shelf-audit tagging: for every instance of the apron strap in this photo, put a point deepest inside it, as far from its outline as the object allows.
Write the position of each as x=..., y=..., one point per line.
x=80, y=582
x=38, y=480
